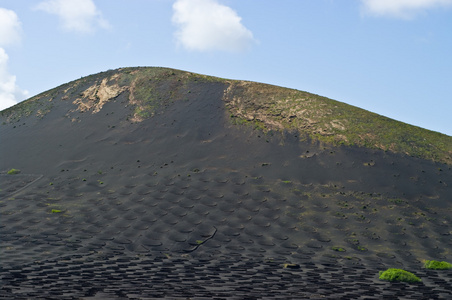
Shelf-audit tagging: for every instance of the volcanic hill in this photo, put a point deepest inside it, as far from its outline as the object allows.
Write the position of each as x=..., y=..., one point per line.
x=152, y=182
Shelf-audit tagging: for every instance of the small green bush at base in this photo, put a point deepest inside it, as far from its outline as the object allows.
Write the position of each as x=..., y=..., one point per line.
x=13, y=171
x=339, y=249
x=398, y=275
x=437, y=265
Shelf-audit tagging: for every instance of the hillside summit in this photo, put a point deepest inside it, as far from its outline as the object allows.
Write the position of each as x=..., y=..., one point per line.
x=154, y=182
x=266, y=107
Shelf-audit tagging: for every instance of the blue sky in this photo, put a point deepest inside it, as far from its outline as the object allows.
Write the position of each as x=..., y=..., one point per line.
x=392, y=57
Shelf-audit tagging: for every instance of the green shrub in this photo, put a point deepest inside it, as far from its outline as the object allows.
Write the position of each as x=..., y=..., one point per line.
x=339, y=249
x=437, y=265
x=398, y=275
x=13, y=171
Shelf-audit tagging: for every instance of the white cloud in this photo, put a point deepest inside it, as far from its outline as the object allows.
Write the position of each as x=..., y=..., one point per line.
x=205, y=25
x=10, y=33
x=75, y=15
x=10, y=93
x=405, y=9
x=10, y=28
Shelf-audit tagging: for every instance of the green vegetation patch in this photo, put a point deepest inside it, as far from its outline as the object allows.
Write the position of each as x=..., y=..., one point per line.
x=437, y=265
x=39, y=106
x=13, y=172
x=338, y=249
x=394, y=275
x=152, y=89
x=332, y=122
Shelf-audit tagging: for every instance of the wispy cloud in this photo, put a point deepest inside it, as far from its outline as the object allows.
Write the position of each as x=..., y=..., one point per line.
x=405, y=9
x=206, y=25
x=10, y=33
x=80, y=16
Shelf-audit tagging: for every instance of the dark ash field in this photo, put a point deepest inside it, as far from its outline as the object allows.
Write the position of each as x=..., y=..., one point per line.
x=145, y=183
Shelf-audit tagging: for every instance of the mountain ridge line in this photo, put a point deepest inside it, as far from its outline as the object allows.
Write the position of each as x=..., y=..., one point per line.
x=265, y=107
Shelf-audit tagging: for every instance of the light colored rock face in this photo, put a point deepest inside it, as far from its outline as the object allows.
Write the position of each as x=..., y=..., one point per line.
x=279, y=108
x=95, y=97
x=138, y=85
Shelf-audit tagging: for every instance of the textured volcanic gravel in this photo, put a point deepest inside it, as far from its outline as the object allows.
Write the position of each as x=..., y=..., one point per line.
x=187, y=205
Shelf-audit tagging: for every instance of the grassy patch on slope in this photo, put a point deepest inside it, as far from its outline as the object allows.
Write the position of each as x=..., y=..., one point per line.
x=394, y=275
x=437, y=265
x=332, y=122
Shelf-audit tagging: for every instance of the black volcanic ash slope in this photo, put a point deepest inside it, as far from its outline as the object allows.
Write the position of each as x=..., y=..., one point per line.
x=160, y=162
